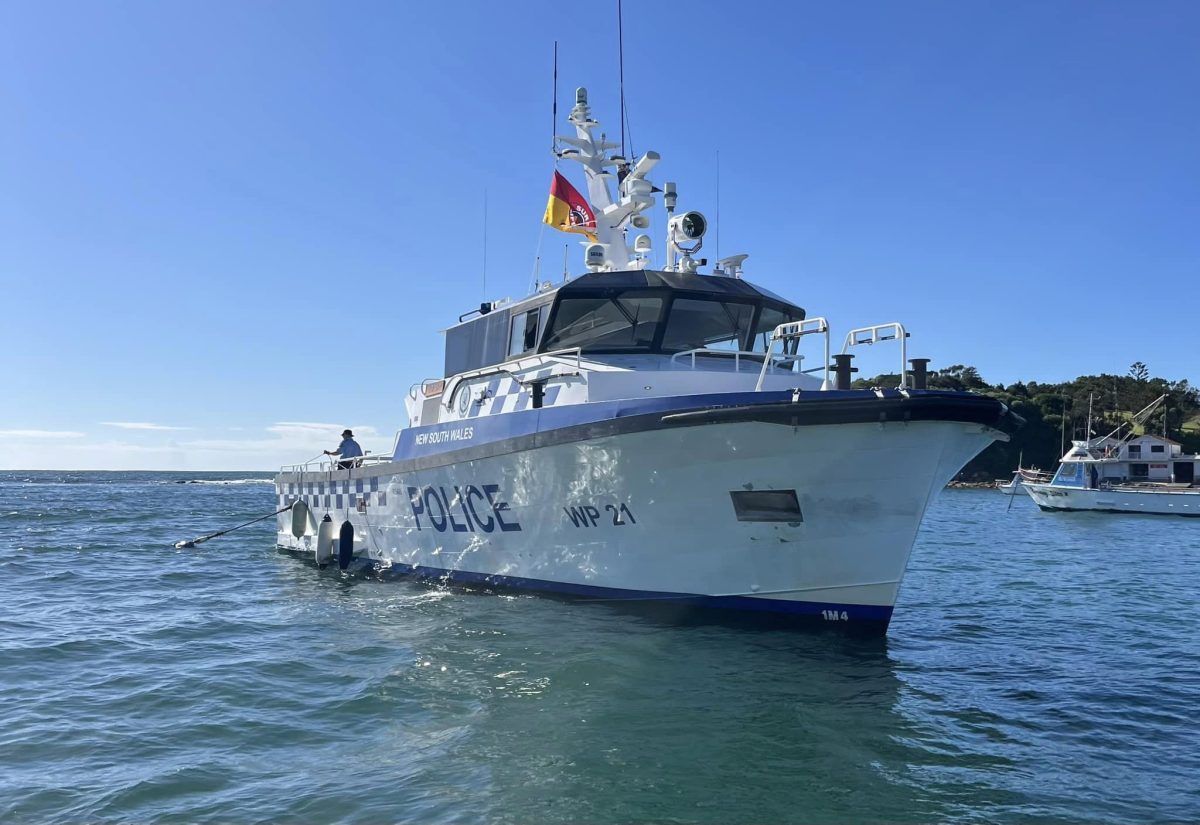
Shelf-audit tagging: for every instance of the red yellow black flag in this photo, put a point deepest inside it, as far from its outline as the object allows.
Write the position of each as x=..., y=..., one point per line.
x=568, y=210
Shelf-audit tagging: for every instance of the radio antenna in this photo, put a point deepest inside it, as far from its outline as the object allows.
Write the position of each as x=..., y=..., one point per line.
x=485, y=217
x=554, y=107
x=537, y=255
x=621, y=74
x=717, y=222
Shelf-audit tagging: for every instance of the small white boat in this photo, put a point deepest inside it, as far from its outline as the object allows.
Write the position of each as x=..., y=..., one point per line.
x=1012, y=487
x=1020, y=476
x=1124, y=474
x=647, y=436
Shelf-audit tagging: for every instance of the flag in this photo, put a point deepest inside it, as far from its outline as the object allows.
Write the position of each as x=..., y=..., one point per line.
x=568, y=210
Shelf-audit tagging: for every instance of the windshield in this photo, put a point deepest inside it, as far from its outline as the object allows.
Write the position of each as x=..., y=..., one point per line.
x=1071, y=472
x=767, y=321
x=655, y=321
x=622, y=321
x=698, y=324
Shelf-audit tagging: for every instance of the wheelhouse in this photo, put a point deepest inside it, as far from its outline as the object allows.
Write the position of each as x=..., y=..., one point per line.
x=621, y=313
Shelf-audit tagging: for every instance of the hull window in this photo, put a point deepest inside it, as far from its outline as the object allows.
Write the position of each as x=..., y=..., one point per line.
x=766, y=505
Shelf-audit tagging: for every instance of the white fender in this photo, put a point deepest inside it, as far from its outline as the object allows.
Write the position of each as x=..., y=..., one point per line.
x=325, y=539
x=300, y=520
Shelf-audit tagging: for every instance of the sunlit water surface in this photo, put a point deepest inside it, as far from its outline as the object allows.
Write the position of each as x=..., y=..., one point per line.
x=1039, y=667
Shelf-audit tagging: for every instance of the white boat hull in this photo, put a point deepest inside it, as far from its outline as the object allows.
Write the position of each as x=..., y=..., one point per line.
x=1117, y=500
x=1012, y=488
x=649, y=516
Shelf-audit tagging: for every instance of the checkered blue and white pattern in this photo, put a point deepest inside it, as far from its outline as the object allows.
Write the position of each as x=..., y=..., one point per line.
x=337, y=495
x=505, y=394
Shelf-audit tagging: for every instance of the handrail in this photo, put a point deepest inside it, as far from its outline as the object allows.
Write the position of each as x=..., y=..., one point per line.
x=871, y=335
x=423, y=386
x=510, y=366
x=737, y=355
x=794, y=331
x=432, y=387
x=329, y=464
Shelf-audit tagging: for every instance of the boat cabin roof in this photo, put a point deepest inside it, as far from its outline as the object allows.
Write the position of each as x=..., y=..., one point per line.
x=633, y=311
x=715, y=285
x=1151, y=437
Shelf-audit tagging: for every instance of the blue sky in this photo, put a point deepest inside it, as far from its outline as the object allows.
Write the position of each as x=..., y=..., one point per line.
x=249, y=221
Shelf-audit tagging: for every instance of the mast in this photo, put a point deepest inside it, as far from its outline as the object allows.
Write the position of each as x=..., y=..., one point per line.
x=616, y=215
x=613, y=216
x=1063, y=428
x=1088, y=433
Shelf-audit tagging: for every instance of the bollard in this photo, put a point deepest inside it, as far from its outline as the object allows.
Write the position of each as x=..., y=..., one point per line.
x=919, y=373
x=842, y=370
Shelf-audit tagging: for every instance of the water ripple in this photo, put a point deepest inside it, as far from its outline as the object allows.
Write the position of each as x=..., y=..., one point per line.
x=1040, y=667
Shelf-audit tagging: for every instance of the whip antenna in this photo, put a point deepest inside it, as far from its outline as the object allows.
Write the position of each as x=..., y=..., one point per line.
x=621, y=72
x=554, y=106
x=537, y=255
x=484, y=298
x=717, y=222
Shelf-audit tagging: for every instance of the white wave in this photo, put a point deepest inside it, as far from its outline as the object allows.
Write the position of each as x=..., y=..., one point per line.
x=226, y=481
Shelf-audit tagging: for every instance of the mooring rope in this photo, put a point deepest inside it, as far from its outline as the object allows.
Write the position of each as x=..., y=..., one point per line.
x=181, y=545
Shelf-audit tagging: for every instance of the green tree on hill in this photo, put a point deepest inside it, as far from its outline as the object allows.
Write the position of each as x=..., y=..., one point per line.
x=1055, y=413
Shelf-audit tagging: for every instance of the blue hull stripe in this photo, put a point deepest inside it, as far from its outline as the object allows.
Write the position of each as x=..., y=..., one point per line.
x=483, y=431
x=1128, y=512
x=444, y=437
x=854, y=612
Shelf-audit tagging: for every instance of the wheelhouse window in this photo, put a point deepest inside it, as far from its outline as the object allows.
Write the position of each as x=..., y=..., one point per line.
x=639, y=319
x=700, y=324
x=622, y=321
x=524, y=329
x=768, y=319
x=1070, y=472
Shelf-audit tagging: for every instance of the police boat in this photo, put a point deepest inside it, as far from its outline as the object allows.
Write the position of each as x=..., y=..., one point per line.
x=650, y=437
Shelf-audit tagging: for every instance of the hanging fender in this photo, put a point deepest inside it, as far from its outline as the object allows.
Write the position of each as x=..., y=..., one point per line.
x=345, y=545
x=325, y=539
x=300, y=519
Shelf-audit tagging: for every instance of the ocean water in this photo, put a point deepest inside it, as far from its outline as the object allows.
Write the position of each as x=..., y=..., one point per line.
x=1039, y=668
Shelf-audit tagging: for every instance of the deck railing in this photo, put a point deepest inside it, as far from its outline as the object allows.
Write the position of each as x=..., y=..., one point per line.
x=737, y=355
x=878, y=333
x=793, y=331
x=327, y=464
x=509, y=367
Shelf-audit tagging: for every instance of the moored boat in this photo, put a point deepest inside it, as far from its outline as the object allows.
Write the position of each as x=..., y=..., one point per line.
x=1012, y=487
x=1017, y=483
x=1124, y=474
x=650, y=436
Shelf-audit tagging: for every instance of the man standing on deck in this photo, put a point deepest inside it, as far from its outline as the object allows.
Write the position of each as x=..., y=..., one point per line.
x=348, y=449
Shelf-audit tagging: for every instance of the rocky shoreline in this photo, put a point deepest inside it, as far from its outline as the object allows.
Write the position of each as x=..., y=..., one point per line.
x=971, y=485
